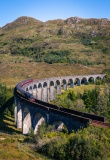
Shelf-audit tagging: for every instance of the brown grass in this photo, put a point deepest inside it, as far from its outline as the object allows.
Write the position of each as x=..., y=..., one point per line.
x=14, y=69
x=12, y=149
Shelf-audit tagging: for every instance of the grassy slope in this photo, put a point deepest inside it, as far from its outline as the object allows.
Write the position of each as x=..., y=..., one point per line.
x=11, y=142
x=80, y=89
x=85, y=39
x=14, y=69
x=28, y=33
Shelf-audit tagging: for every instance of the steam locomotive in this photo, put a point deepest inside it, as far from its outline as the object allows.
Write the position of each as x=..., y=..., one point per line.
x=19, y=91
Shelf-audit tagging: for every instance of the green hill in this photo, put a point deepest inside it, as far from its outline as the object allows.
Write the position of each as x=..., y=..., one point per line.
x=71, y=46
x=74, y=40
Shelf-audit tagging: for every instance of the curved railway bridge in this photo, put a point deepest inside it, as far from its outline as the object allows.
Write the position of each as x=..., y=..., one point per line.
x=32, y=105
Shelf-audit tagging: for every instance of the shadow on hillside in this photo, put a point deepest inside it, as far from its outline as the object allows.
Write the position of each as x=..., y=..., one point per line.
x=7, y=125
x=9, y=102
x=10, y=119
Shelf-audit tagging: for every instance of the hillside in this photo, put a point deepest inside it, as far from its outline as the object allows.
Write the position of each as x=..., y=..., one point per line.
x=74, y=40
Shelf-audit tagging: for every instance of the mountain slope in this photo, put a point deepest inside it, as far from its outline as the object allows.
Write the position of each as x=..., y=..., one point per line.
x=20, y=22
x=74, y=40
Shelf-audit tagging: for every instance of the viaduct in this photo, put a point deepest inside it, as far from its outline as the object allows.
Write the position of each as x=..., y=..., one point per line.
x=32, y=105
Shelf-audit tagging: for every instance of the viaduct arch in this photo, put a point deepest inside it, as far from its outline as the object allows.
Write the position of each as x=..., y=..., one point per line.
x=32, y=105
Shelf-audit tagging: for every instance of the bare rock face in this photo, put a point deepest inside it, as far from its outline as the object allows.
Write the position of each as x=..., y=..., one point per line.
x=62, y=30
x=73, y=20
x=1, y=51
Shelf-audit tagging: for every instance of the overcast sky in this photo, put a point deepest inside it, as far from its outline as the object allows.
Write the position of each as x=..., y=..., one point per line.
x=53, y=9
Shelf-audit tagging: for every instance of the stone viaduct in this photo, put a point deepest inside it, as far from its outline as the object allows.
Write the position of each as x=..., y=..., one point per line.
x=32, y=105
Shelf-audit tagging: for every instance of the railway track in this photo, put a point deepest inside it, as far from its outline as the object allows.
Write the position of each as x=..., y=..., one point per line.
x=100, y=124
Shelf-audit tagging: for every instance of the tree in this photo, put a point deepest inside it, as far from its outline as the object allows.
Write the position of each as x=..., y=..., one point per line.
x=87, y=99
x=71, y=95
x=3, y=92
x=79, y=105
x=101, y=106
x=90, y=98
x=107, y=94
x=6, y=100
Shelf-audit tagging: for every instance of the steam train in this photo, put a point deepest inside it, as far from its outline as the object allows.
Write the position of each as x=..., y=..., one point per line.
x=20, y=92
